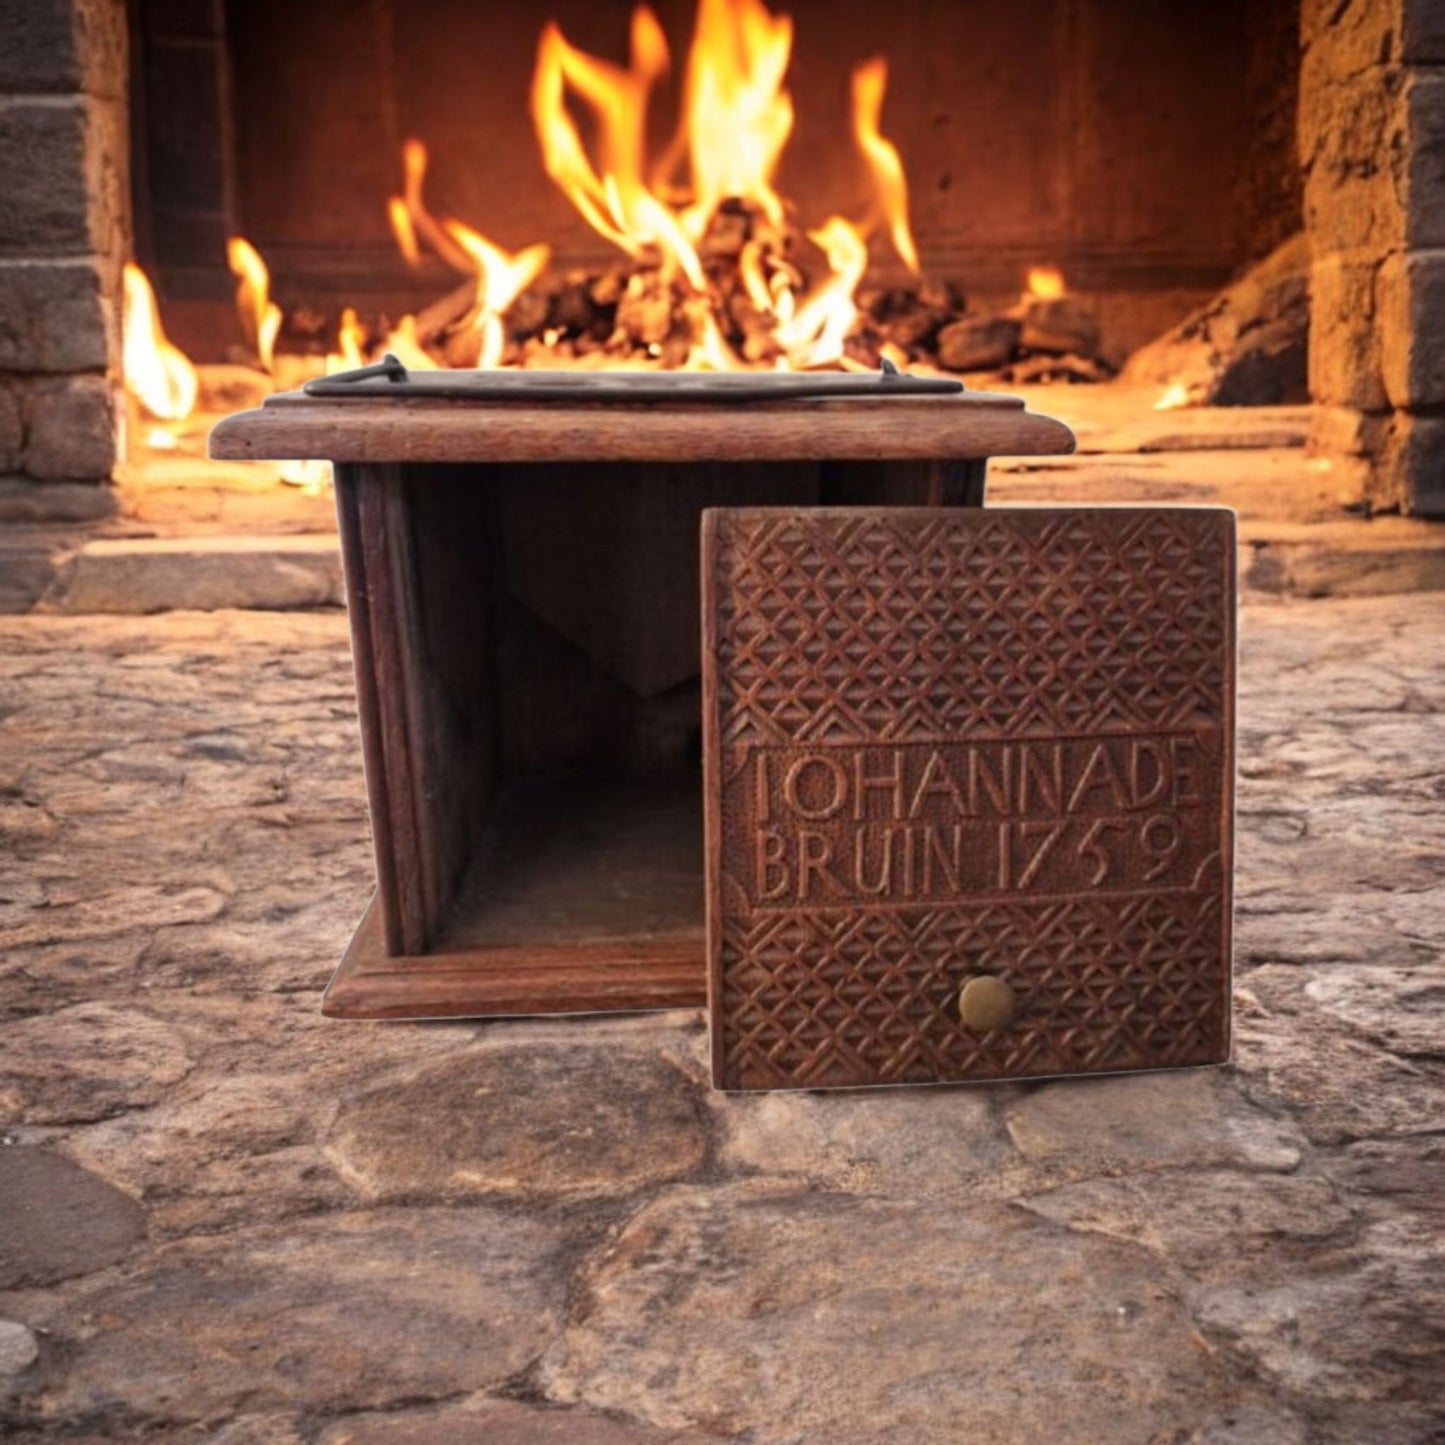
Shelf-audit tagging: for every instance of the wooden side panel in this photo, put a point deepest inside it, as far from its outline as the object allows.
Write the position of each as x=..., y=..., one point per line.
x=419, y=608
x=378, y=605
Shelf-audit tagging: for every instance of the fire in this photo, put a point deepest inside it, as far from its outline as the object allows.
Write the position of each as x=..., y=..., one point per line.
x=404, y=229
x=350, y=344
x=737, y=115
x=814, y=335
x=724, y=277
x=157, y=374
x=617, y=203
x=411, y=221
x=870, y=82
x=259, y=314
x=1045, y=283
x=500, y=280
x=1174, y=396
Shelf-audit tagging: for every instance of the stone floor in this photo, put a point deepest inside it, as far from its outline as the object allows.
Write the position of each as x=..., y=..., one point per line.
x=225, y=1219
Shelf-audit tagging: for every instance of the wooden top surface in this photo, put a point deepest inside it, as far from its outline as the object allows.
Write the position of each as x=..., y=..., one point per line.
x=947, y=428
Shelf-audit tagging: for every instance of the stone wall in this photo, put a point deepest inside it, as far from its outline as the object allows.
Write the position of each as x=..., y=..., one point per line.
x=64, y=234
x=1372, y=145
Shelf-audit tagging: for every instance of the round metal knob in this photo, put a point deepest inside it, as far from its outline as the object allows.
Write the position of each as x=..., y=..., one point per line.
x=986, y=1003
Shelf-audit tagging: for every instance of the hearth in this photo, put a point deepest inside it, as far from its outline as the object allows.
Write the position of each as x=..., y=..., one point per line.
x=1029, y=190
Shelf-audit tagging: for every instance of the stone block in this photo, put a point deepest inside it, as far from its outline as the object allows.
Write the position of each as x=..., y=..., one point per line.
x=1423, y=177
x=148, y=574
x=63, y=45
x=1422, y=32
x=1344, y=351
x=49, y=503
x=63, y=176
x=44, y=208
x=19, y=1349
x=1348, y=39
x=1410, y=470
x=61, y=1220
x=1353, y=144
x=54, y=316
x=12, y=426
x=1341, y=431
x=70, y=428
x=1410, y=321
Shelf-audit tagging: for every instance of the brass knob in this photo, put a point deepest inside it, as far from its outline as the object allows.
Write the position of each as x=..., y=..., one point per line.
x=986, y=1003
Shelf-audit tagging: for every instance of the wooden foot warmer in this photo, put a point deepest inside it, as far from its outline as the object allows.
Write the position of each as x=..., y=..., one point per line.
x=522, y=571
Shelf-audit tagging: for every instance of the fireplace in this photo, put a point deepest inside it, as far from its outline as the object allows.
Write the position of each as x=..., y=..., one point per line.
x=1134, y=156
x=1146, y=153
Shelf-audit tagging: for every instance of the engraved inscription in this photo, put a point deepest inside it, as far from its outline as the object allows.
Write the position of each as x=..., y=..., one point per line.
x=946, y=744
x=933, y=822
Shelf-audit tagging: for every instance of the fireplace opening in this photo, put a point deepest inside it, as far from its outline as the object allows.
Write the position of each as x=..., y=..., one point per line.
x=590, y=828
x=1033, y=191
x=1184, y=207
x=552, y=667
x=928, y=157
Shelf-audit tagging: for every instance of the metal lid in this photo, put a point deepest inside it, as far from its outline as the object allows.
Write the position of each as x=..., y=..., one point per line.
x=389, y=378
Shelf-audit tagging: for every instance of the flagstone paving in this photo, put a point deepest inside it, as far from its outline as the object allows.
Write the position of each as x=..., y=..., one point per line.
x=225, y=1219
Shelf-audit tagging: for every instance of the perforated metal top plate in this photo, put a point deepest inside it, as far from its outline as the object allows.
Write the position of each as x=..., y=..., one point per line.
x=389, y=378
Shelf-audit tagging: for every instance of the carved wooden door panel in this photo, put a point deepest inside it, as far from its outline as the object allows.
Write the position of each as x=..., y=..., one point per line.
x=969, y=781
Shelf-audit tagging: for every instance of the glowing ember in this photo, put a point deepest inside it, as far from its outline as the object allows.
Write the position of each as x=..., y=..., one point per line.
x=157, y=374
x=260, y=316
x=1045, y=283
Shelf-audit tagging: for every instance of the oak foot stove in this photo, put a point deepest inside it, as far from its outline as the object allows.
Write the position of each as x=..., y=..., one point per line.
x=1049, y=692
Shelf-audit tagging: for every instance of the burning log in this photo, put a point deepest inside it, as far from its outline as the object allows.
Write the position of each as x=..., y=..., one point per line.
x=1059, y=326
x=1045, y=367
x=433, y=320
x=1246, y=347
x=978, y=343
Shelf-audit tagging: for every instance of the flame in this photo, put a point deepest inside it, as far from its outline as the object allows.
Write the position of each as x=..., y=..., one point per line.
x=870, y=83
x=1174, y=396
x=814, y=335
x=259, y=314
x=501, y=278
x=737, y=115
x=736, y=119
x=157, y=374
x=350, y=344
x=311, y=478
x=404, y=345
x=411, y=221
x=616, y=203
x=1045, y=283
x=404, y=229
